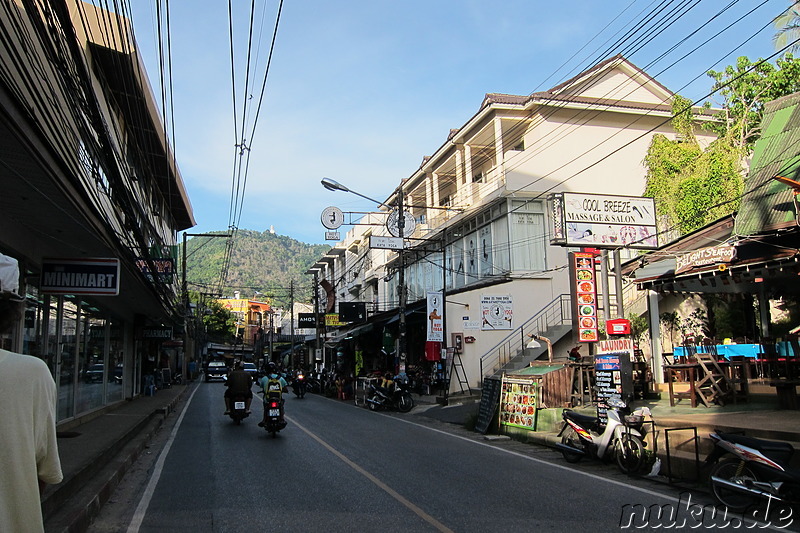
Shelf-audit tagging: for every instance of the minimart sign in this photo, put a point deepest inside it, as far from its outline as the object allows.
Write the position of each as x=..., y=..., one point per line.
x=90, y=276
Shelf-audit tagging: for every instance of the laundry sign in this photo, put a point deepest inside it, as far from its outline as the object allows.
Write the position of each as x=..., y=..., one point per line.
x=92, y=276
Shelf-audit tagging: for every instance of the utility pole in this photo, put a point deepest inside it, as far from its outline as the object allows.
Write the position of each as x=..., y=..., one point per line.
x=401, y=223
x=316, y=316
x=291, y=321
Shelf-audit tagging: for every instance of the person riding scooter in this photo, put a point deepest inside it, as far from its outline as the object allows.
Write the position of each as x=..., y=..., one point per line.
x=238, y=383
x=273, y=386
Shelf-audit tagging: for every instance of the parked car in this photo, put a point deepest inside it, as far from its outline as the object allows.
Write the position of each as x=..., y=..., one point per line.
x=216, y=370
x=93, y=374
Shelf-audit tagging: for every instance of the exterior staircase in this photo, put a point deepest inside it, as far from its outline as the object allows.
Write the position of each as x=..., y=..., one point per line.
x=553, y=322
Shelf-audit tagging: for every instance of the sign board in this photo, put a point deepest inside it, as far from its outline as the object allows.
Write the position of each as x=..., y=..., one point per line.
x=518, y=402
x=490, y=397
x=435, y=330
x=497, y=312
x=603, y=221
x=613, y=372
x=155, y=333
x=164, y=268
x=618, y=326
x=332, y=217
x=333, y=236
x=332, y=320
x=393, y=223
x=306, y=321
x=93, y=276
x=583, y=284
x=705, y=256
x=385, y=243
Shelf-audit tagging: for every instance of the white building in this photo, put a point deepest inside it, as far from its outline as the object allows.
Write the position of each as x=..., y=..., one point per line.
x=588, y=134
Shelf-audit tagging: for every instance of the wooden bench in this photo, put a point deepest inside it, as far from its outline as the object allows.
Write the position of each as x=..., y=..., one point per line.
x=786, y=390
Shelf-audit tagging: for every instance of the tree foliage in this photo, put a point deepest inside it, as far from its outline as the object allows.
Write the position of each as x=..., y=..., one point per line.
x=691, y=186
x=694, y=186
x=261, y=262
x=788, y=26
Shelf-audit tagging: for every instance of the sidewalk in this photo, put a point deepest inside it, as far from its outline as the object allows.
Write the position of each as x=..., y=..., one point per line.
x=97, y=452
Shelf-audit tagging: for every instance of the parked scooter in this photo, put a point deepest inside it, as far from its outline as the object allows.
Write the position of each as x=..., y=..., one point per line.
x=273, y=416
x=620, y=438
x=397, y=396
x=753, y=471
x=238, y=411
x=299, y=385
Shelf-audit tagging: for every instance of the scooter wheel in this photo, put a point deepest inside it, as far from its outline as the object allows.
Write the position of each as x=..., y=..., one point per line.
x=570, y=438
x=405, y=404
x=629, y=452
x=373, y=404
x=736, y=501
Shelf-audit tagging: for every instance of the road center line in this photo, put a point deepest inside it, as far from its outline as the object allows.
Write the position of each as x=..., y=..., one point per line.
x=394, y=494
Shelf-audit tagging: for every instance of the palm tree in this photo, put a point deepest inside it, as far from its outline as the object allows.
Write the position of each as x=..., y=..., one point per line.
x=788, y=26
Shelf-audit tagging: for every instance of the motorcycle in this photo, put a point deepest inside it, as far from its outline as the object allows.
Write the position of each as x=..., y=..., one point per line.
x=753, y=471
x=398, y=397
x=299, y=385
x=273, y=419
x=620, y=438
x=238, y=410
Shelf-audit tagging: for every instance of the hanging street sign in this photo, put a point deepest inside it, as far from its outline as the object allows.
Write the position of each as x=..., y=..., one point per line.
x=409, y=224
x=385, y=243
x=332, y=217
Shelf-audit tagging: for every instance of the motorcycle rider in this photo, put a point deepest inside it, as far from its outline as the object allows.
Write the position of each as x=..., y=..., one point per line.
x=239, y=383
x=273, y=385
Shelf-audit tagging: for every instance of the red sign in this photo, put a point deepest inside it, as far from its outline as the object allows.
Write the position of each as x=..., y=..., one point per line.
x=618, y=326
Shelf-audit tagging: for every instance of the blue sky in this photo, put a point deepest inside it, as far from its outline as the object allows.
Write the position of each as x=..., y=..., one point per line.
x=360, y=91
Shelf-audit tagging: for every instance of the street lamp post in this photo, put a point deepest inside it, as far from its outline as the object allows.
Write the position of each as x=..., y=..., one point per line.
x=333, y=185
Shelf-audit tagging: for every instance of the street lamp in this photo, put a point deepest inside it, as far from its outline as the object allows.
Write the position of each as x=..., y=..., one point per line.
x=333, y=185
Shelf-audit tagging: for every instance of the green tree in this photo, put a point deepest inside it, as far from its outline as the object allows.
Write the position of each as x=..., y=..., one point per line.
x=219, y=322
x=788, y=26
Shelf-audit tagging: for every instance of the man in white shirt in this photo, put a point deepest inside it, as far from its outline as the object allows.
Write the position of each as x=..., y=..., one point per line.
x=28, y=448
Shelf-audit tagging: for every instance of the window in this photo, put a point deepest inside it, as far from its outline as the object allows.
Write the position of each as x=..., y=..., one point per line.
x=528, y=235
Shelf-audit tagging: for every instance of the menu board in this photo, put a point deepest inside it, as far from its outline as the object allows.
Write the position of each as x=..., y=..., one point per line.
x=518, y=401
x=490, y=395
x=613, y=373
x=584, y=295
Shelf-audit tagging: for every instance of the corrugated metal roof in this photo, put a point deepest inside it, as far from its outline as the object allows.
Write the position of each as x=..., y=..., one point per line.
x=768, y=205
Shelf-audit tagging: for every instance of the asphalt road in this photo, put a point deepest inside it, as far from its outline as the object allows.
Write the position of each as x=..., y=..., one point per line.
x=337, y=467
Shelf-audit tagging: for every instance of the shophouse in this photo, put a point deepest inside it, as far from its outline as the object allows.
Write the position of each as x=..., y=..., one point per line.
x=480, y=227
x=91, y=203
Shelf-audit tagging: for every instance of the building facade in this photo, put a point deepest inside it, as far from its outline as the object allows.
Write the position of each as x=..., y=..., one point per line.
x=88, y=178
x=481, y=223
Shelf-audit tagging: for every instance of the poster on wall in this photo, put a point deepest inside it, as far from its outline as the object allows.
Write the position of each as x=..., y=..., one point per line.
x=583, y=281
x=497, y=312
x=518, y=402
x=435, y=325
x=613, y=372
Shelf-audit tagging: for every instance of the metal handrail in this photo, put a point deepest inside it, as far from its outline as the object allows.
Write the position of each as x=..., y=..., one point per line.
x=557, y=312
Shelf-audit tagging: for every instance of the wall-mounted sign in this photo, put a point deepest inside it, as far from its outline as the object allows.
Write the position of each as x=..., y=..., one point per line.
x=583, y=283
x=306, y=321
x=497, y=312
x=332, y=320
x=705, y=256
x=155, y=333
x=618, y=326
x=435, y=329
x=333, y=236
x=603, y=221
x=94, y=276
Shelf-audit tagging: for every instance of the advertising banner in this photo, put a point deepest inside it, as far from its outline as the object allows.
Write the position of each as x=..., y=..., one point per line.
x=603, y=221
x=435, y=312
x=497, y=312
x=613, y=372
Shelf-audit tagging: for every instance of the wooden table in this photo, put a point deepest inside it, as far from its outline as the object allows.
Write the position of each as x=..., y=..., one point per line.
x=682, y=373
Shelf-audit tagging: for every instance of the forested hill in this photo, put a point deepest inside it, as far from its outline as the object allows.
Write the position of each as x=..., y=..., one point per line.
x=261, y=261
